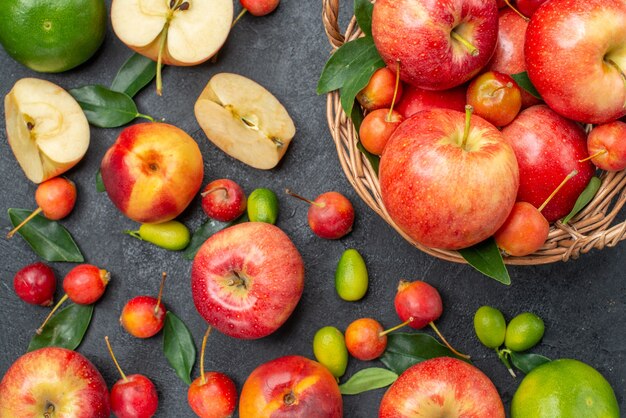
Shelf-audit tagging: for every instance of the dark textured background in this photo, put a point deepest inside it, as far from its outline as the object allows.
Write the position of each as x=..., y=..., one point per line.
x=581, y=301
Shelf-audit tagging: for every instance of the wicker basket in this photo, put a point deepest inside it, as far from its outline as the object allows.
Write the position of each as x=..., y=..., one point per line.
x=594, y=227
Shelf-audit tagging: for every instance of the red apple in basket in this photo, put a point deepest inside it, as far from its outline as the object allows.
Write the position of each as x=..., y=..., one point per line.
x=53, y=382
x=291, y=386
x=415, y=100
x=439, y=44
x=442, y=387
x=445, y=184
x=576, y=57
x=247, y=279
x=548, y=147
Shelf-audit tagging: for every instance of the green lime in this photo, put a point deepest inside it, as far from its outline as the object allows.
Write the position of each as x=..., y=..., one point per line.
x=171, y=235
x=351, y=279
x=524, y=332
x=564, y=389
x=263, y=206
x=329, y=348
x=490, y=326
x=52, y=36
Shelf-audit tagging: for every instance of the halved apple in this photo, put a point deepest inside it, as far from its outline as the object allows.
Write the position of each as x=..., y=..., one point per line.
x=46, y=128
x=244, y=120
x=188, y=32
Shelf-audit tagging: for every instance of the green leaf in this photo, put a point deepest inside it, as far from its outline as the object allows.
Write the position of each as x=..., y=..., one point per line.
x=585, y=197
x=49, y=239
x=527, y=361
x=354, y=62
x=524, y=82
x=106, y=108
x=363, y=12
x=368, y=379
x=486, y=258
x=99, y=183
x=65, y=329
x=405, y=350
x=178, y=346
x=136, y=73
x=205, y=231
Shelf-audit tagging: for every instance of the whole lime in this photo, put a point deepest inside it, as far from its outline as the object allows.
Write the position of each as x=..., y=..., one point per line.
x=490, y=326
x=524, y=332
x=262, y=206
x=564, y=389
x=329, y=348
x=351, y=278
x=52, y=36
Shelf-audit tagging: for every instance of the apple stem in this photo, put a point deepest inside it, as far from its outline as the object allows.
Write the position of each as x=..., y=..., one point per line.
x=591, y=157
x=471, y=48
x=565, y=180
x=297, y=196
x=239, y=16
x=407, y=322
x=106, y=339
x=508, y=3
x=468, y=117
x=508, y=85
x=156, y=307
x=59, y=303
x=441, y=337
x=24, y=222
x=214, y=190
x=49, y=411
x=395, y=91
x=204, y=339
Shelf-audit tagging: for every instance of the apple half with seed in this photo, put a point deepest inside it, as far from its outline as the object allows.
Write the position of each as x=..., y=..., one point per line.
x=46, y=128
x=184, y=32
x=244, y=120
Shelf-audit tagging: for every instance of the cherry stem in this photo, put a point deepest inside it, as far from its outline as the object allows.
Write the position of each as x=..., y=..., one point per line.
x=591, y=157
x=506, y=86
x=471, y=48
x=395, y=91
x=24, y=222
x=407, y=322
x=508, y=3
x=59, y=303
x=565, y=180
x=239, y=16
x=156, y=307
x=441, y=337
x=297, y=196
x=106, y=339
x=468, y=116
x=214, y=190
x=204, y=339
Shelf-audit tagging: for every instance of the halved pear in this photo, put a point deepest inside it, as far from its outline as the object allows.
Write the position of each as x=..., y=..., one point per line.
x=46, y=128
x=190, y=31
x=244, y=120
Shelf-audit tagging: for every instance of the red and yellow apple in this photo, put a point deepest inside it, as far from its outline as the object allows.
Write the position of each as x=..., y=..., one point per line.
x=576, y=57
x=291, y=386
x=152, y=172
x=415, y=99
x=247, y=279
x=53, y=382
x=446, y=188
x=442, y=387
x=439, y=44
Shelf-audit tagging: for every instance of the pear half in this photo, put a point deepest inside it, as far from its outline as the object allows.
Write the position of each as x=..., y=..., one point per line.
x=188, y=32
x=244, y=120
x=46, y=128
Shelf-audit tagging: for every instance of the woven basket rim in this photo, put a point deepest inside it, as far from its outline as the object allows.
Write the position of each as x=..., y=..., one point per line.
x=592, y=228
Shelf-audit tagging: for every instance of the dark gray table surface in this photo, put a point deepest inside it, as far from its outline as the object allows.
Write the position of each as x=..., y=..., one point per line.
x=582, y=301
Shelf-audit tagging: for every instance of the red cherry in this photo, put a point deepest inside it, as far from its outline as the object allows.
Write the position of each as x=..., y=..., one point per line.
x=330, y=215
x=524, y=231
x=607, y=146
x=376, y=129
x=223, y=200
x=380, y=90
x=495, y=97
x=144, y=316
x=35, y=284
x=259, y=7
x=366, y=339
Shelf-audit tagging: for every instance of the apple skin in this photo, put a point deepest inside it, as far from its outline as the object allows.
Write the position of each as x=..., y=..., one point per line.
x=271, y=270
x=415, y=100
x=293, y=387
x=418, y=34
x=331, y=215
x=548, y=147
x=53, y=376
x=569, y=44
x=610, y=137
x=438, y=193
x=442, y=387
x=260, y=7
x=223, y=200
x=152, y=172
x=135, y=397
